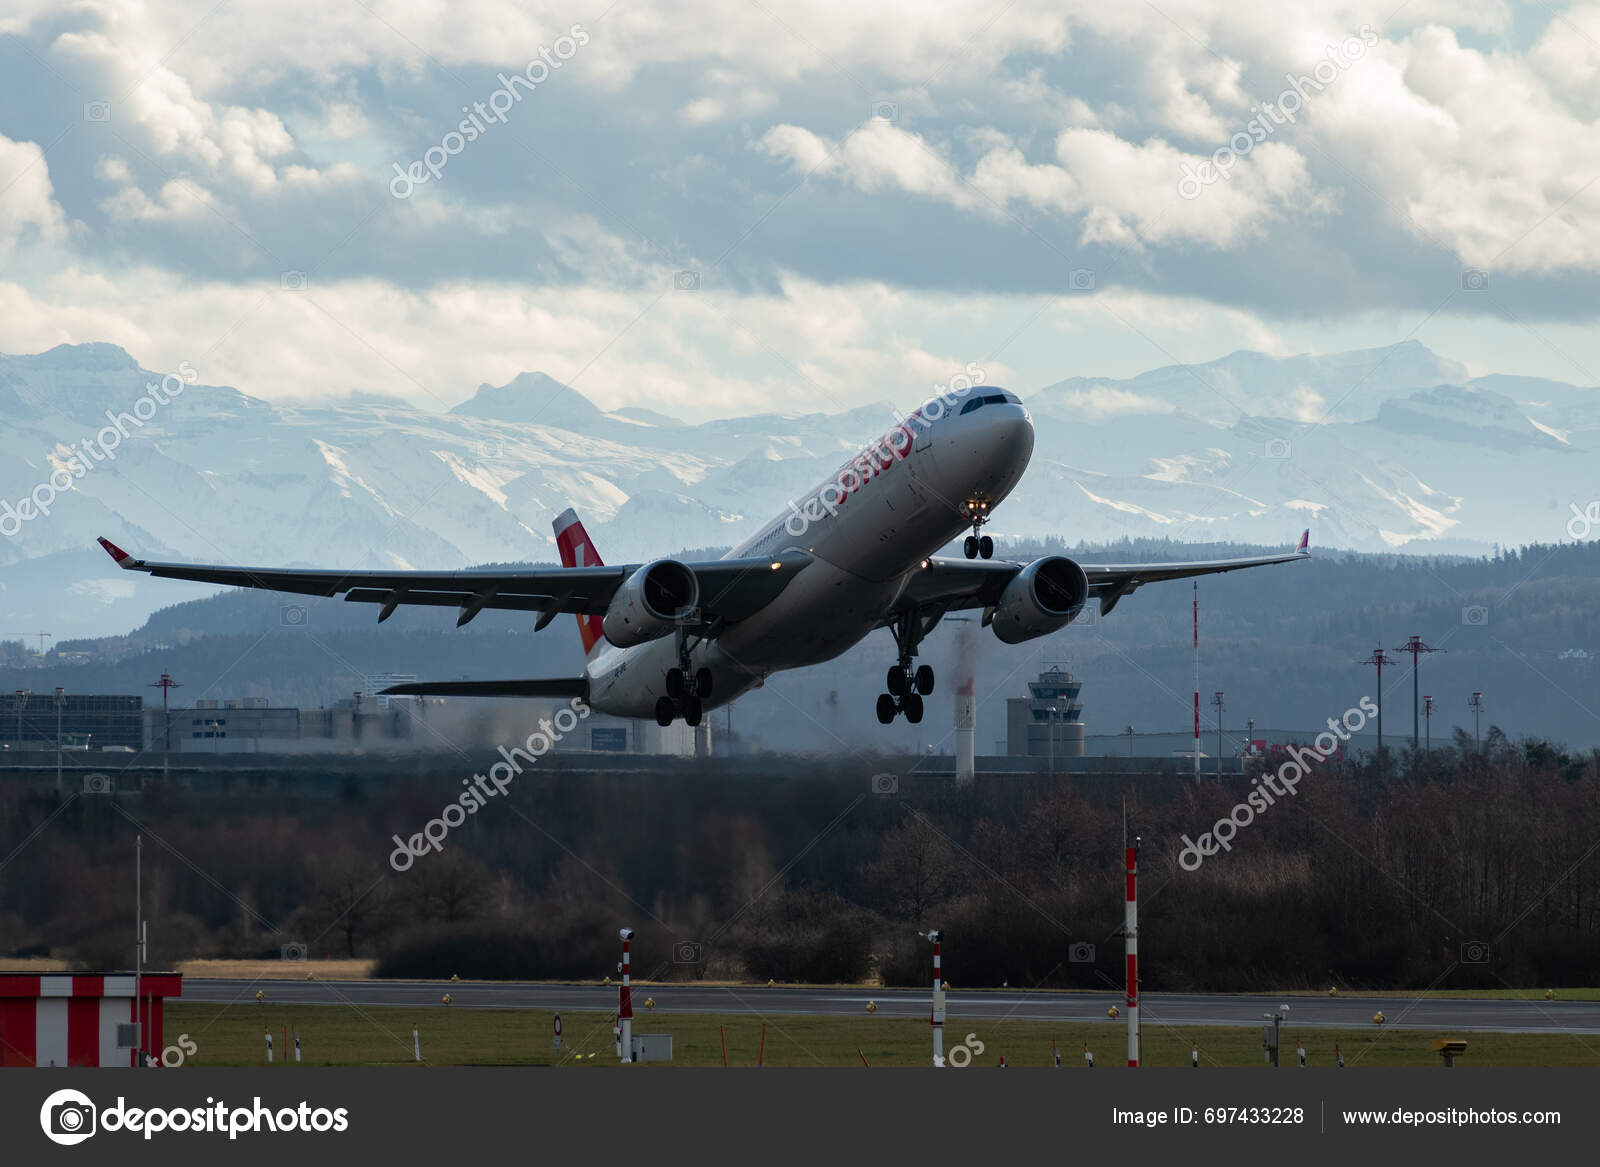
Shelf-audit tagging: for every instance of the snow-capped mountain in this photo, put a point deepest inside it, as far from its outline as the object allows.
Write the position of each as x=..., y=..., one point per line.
x=1382, y=449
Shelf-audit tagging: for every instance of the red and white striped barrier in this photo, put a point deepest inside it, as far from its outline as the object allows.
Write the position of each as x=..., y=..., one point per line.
x=72, y=1020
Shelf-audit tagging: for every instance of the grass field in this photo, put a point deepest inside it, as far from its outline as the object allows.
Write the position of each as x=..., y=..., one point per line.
x=232, y=1035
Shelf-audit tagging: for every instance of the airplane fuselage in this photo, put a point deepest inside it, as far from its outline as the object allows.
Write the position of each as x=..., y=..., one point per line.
x=867, y=529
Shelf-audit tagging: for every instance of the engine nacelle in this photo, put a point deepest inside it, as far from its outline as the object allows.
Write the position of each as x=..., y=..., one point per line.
x=647, y=605
x=1042, y=597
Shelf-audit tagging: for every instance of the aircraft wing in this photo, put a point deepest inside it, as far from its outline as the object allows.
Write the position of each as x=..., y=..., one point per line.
x=730, y=589
x=945, y=585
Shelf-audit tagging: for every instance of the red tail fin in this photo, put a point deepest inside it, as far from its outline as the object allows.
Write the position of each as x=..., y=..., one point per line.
x=578, y=550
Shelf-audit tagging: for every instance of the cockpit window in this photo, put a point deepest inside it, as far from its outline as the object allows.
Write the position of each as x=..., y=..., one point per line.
x=1001, y=398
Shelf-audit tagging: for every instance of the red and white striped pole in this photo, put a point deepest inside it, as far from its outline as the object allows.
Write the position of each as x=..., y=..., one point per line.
x=936, y=1016
x=1197, y=682
x=1130, y=930
x=625, y=1005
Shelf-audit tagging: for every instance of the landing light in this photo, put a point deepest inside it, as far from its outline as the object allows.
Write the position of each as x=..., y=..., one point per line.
x=776, y=565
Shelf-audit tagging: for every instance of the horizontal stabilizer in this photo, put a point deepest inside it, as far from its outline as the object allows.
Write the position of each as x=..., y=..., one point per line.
x=553, y=687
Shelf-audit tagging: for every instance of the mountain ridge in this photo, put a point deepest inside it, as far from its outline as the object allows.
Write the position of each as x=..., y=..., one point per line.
x=1413, y=455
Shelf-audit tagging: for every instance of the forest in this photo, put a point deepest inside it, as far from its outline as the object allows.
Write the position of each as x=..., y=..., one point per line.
x=1472, y=866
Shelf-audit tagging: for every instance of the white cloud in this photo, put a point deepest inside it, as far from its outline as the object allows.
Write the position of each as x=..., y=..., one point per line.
x=1102, y=401
x=1126, y=193
x=27, y=200
x=228, y=143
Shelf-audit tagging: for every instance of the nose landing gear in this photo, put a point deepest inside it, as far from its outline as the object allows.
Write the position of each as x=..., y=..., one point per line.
x=974, y=546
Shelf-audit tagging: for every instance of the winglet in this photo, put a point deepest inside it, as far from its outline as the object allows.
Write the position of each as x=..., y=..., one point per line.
x=1305, y=543
x=122, y=557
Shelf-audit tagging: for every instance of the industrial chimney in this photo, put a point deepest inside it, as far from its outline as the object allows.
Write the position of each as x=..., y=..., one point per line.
x=966, y=707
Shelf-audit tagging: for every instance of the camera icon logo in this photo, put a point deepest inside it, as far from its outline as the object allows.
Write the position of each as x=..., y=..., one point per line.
x=886, y=784
x=97, y=111
x=1277, y=449
x=68, y=1117
x=1475, y=616
x=887, y=110
x=1080, y=279
x=292, y=281
x=294, y=950
x=1081, y=953
x=1474, y=279
x=686, y=281
x=1474, y=952
x=292, y=615
x=687, y=952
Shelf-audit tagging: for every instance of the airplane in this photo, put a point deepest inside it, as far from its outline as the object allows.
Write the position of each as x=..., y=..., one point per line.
x=674, y=639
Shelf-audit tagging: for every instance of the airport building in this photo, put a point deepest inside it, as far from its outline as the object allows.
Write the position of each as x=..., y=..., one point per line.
x=86, y=721
x=1048, y=722
x=251, y=725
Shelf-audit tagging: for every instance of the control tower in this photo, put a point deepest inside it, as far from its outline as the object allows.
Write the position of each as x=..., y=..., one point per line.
x=1049, y=720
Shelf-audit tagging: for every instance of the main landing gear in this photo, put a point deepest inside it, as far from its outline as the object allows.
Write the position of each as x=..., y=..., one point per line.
x=907, y=686
x=686, y=692
x=977, y=511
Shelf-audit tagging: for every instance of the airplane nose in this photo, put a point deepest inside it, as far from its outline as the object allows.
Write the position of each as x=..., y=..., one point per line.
x=1001, y=445
x=1013, y=431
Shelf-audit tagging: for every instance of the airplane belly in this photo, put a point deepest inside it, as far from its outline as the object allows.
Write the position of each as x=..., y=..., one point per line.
x=822, y=614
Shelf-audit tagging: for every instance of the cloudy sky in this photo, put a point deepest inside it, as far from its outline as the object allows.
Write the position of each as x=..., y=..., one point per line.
x=736, y=204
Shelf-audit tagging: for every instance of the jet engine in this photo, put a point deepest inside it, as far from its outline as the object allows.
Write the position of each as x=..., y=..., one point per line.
x=648, y=604
x=1042, y=597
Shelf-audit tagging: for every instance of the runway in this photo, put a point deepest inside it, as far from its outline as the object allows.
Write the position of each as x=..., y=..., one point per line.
x=1177, y=1009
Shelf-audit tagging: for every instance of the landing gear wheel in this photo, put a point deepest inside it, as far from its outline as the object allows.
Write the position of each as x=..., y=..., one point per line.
x=664, y=711
x=676, y=687
x=969, y=548
x=896, y=681
x=911, y=706
x=986, y=547
x=886, y=709
x=691, y=711
x=702, y=684
x=924, y=679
